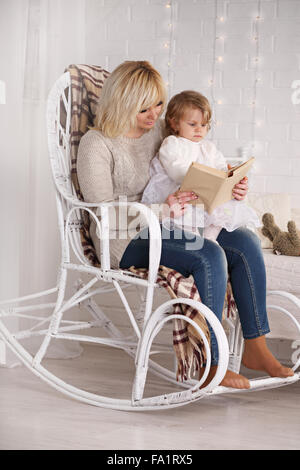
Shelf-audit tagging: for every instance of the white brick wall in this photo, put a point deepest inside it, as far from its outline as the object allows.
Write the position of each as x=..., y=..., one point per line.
x=140, y=29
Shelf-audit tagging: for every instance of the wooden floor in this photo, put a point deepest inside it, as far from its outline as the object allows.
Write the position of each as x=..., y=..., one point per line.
x=35, y=416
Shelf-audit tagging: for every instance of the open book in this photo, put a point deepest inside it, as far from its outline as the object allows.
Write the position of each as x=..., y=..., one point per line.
x=213, y=187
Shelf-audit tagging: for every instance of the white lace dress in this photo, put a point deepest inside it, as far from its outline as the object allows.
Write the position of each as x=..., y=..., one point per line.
x=166, y=174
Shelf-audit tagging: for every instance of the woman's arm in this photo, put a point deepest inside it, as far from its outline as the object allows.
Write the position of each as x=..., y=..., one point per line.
x=176, y=203
x=94, y=168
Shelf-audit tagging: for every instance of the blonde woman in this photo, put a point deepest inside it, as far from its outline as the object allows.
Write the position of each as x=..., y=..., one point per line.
x=114, y=161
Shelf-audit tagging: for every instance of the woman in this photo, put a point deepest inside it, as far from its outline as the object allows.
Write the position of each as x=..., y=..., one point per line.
x=114, y=160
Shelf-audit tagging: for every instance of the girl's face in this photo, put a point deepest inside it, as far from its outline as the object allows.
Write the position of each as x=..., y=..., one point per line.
x=191, y=126
x=147, y=118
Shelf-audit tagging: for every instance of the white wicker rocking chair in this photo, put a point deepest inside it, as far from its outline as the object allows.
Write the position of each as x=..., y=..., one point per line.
x=137, y=346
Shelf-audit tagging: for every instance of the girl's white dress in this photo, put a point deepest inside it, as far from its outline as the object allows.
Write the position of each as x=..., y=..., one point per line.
x=167, y=171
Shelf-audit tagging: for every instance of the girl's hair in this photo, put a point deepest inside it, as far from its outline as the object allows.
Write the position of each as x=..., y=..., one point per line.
x=179, y=104
x=132, y=87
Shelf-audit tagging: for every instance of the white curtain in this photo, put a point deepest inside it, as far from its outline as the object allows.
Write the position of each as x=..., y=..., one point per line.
x=38, y=40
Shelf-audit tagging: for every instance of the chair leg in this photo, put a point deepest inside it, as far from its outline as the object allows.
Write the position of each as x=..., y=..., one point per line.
x=93, y=308
x=56, y=317
x=236, y=343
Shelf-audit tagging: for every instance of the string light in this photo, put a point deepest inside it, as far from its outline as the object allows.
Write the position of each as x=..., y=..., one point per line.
x=256, y=60
x=218, y=60
x=170, y=46
x=213, y=71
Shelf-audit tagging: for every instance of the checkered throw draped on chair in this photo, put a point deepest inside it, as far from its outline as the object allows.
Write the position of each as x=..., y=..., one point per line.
x=86, y=84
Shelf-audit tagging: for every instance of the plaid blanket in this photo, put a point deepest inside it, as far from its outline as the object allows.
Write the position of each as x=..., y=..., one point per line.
x=86, y=84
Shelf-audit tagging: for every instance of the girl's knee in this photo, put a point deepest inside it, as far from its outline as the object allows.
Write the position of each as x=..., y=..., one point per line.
x=250, y=238
x=242, y=239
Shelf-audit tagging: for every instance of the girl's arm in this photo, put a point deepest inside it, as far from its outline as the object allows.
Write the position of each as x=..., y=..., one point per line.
x=174, y=162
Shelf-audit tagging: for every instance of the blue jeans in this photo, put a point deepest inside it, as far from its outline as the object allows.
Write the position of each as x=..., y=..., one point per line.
x=238, y=255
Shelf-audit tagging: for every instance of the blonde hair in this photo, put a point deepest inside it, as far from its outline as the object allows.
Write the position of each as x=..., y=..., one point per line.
x=179, y=104
x=132, y=87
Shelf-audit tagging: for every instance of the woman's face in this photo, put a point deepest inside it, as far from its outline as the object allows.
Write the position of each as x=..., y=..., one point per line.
x=147, y=117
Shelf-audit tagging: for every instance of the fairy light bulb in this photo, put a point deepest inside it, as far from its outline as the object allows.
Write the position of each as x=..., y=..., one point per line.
x=168, y=45
x=256, y=123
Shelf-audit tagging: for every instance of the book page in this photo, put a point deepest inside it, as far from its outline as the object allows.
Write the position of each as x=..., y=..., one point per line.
x=213, y=187
x=235, y=175
x=204, y=183
x=242, y=168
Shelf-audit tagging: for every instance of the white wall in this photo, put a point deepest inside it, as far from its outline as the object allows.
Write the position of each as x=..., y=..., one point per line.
x=140, y=30
x=11, y=170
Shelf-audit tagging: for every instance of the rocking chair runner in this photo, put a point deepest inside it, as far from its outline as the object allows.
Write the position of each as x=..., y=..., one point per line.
x=146, y=325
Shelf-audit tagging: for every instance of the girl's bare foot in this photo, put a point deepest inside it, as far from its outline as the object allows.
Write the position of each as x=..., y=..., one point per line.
x=257, y=356
x=231, y=379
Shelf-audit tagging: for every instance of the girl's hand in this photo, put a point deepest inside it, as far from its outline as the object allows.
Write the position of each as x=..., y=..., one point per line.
x=177, y=202
x=240, y=190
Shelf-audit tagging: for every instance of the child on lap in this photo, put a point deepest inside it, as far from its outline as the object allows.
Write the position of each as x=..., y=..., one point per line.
x=188, y=122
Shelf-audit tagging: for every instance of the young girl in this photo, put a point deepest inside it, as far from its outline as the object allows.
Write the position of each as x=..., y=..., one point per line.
x=188, y=122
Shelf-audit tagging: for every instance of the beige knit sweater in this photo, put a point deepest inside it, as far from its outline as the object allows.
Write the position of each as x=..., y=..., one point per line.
x=109, y=168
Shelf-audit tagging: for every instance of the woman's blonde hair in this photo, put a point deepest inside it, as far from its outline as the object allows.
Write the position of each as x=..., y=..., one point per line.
x=132, y=87
x=179, y=104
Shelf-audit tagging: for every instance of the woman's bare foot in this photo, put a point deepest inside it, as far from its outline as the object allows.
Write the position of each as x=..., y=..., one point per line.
x=231, y=379
x=257, y=356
